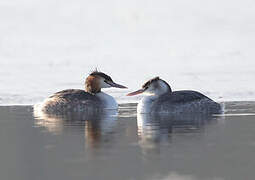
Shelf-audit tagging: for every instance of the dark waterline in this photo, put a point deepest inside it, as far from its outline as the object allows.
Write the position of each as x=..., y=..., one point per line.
x=127, y=146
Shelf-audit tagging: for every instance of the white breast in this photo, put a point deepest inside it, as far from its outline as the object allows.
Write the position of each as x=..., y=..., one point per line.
x=145, y=104
x=108, y=101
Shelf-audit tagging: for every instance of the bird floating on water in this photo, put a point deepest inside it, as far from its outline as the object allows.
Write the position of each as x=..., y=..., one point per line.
x=91, y=99
x=161, y=99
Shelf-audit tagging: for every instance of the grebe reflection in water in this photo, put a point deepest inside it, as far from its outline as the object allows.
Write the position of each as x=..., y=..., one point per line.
x=93, y=128
x=156, y=130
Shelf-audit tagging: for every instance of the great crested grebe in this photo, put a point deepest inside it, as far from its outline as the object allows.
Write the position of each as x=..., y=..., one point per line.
x=161, y=99
x=92, y=99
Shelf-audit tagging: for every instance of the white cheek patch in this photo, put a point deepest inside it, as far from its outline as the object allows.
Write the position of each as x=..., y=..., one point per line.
x=104, y=84
x=149, y=91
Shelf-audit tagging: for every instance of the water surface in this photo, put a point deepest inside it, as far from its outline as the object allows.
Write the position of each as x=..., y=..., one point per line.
x=127, y=146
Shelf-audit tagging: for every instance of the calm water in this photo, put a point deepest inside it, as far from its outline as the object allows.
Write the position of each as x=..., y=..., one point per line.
x=127, y=147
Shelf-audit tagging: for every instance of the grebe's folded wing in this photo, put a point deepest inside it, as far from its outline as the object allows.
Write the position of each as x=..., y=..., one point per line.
x=184, y=96
x=71, y=100
x=72, y=94
x=186, y=101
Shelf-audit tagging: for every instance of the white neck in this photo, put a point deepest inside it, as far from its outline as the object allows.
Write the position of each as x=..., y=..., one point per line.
x=151, y=94
x=145, y=104
x=107, y=100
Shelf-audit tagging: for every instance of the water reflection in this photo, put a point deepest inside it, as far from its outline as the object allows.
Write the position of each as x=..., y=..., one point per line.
x=177, y=147
x=155, y=130
x=95, y=128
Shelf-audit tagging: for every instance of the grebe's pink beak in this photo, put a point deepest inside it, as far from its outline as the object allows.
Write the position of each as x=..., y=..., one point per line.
x=140, y=91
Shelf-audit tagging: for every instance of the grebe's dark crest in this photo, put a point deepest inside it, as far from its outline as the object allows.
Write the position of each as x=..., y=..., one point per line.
x=98, y=73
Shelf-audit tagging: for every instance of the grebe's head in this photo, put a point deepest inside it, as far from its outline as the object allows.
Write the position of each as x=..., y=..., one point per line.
x=155, y=86
x=97, y=80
